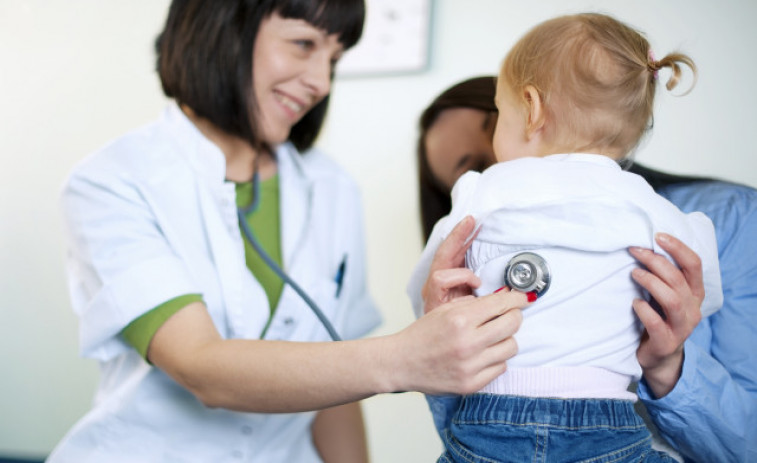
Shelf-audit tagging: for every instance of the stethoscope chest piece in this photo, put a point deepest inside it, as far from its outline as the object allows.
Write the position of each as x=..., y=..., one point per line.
x=528, y=272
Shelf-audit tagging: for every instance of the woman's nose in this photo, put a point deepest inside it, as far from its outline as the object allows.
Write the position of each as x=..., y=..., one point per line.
x=318, y=77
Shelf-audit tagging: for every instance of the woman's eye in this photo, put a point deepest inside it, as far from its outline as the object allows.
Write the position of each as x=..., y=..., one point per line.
x=305, y=44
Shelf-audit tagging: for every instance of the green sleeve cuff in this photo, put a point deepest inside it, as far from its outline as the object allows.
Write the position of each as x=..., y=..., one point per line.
x=140, y=331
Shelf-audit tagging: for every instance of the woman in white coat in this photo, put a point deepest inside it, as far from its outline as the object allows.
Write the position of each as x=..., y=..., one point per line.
x=205, y=354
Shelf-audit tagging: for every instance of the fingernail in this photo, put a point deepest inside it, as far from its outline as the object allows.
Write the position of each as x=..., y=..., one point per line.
x=662, y=237
x=531, y=296
x=500, y=289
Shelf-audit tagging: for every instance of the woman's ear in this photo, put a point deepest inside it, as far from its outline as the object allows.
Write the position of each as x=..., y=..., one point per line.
x=536, y=116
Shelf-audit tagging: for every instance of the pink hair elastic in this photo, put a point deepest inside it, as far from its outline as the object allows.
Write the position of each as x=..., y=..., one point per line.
x=652, y=65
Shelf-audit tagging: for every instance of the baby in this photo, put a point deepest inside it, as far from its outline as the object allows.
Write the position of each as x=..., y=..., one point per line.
x=575, y=96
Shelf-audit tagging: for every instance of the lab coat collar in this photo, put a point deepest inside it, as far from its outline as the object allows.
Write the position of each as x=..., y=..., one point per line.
x=296, y=201
x=295, y=184
x=202, y=154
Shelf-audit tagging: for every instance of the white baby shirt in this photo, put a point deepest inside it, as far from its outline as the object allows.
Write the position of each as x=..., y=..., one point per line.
x=580, y=212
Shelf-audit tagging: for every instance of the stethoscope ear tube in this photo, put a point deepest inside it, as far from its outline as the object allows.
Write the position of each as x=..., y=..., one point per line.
x=528, y=272
x=250, y=236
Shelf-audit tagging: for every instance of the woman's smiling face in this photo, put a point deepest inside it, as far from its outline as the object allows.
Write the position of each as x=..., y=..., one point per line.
x=293, y=64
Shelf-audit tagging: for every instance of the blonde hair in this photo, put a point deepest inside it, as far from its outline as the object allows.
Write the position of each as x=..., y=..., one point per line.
x=596, y=77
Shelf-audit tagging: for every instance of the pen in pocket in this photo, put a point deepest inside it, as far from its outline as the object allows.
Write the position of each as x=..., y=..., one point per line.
x=339, y=278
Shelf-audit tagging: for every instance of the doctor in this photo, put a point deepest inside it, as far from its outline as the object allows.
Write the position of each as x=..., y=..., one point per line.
x=205, y=354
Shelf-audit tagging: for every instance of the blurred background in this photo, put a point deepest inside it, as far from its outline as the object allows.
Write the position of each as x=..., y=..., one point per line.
x=75, y=74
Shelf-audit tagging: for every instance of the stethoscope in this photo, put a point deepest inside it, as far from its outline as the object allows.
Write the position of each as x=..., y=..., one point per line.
x=525, y=272
x=242, y=213
x=528, y=272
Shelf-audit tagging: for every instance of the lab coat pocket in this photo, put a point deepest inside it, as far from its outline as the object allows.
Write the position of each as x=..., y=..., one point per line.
x=295, y=320
x=326, y=298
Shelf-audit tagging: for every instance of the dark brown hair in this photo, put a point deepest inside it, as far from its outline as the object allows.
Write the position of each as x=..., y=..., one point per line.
x=475, y=93
x=204, y=57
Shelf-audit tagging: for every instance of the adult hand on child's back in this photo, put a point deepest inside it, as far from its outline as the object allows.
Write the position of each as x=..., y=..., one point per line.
x=448, y=278
x=679, y=292
x=461, y=345
x=472, y=337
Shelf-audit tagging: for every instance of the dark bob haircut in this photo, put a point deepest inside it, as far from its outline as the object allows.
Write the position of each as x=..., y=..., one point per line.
x=475, y=93
x=204, y=57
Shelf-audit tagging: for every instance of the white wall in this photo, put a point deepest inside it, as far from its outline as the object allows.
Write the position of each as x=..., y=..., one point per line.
x=74, y=74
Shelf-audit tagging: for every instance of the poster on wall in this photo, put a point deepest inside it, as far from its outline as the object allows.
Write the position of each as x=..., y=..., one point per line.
x=395, y=40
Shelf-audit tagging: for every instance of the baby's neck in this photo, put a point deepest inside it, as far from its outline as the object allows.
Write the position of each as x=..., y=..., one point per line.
x=584, y=149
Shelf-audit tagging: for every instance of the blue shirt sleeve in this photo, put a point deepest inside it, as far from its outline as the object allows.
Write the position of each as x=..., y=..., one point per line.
x=711, y=414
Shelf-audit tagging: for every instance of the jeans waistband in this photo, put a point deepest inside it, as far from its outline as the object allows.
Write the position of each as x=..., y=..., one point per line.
x=564, y=413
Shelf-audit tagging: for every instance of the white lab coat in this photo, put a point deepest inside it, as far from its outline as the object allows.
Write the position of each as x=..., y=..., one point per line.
x=151, y=217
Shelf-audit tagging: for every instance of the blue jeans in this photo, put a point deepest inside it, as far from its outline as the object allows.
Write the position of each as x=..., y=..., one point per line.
x=442, y=409
x=490, y=428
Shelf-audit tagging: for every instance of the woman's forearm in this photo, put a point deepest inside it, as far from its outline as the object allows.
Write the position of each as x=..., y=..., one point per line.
x=280, y=376
x=709, y=416
x=457, y=348
x=265, y=376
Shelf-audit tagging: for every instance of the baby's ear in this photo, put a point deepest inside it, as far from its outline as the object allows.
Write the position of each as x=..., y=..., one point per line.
x=535, y=122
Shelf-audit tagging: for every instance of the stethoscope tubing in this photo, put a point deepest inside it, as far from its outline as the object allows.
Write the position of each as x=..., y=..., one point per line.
x=250, y=236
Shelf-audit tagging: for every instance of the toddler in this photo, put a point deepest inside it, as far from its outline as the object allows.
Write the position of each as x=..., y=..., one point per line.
x=575, y=96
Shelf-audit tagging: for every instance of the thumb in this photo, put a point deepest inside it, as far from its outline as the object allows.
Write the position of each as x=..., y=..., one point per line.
x=451, y=252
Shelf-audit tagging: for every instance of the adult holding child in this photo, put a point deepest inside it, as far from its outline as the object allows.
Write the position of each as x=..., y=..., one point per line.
x=704, y=392
x=206, y=355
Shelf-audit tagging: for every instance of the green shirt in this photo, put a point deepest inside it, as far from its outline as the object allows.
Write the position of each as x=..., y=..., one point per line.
x=266, y=225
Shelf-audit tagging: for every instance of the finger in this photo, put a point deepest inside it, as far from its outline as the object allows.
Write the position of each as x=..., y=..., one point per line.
x=502, y=352
x=495, y=360
x=446, y=285
x=484, y=376
x=486, y=308
x=464, y=298
x=660, y=266
x=444, y=280
x=451, y=252
x=687, y=260
x=454, y=300
x=666, y=297
x=652, y=321
x=501, y=328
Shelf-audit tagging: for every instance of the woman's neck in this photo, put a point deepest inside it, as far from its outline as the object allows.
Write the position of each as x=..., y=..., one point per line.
x=241, y=158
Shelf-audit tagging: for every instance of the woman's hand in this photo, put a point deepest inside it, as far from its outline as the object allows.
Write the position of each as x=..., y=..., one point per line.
x=679, y=293
x=462, y=342
x=448, y=279
x=460, y=346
